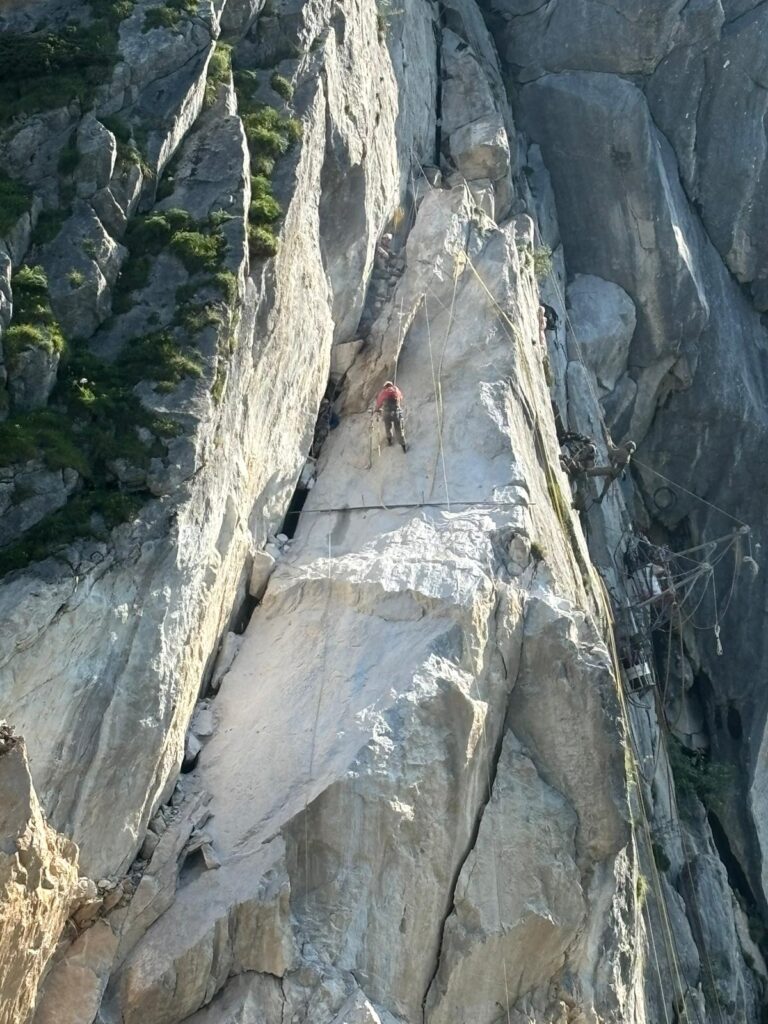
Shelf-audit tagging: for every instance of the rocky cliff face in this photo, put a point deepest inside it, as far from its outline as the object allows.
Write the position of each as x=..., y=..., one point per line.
x=412, y=788
x=38, y=879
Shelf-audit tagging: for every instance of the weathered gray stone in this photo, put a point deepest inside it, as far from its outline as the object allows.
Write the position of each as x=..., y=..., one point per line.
x=32, y=153
x=590, y=35
x=84, y=248
x=603, y=319
x=97, y=149
x=528, y=916
x=472, y=122
x=723, y=159
x=30, y=492
x=596, y=128
x=263, y=566
x=32, y=376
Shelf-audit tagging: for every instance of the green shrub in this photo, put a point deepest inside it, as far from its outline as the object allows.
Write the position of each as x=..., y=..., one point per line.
x=197, y=251
x=219, y=70
x=264, y=210
x=246, y=82
x=262, y=164
x=641, y=891
x=219, y=382
x=282, y=86
x=160, y=17
x=21, y=336
x=264, y=139
x=30, y=280
x=542, y=262
x=219, y=217
x=76, y=278
x=15, y=201
x=152, y=233
x=34, y=325
x=197, y=318
x=262, y=243
x=293, y=129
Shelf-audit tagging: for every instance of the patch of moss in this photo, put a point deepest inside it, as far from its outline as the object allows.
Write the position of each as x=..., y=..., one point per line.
x=15, y=201
x=282, y=86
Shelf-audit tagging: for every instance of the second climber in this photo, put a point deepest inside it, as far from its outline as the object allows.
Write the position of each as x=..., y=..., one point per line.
x=389, y=402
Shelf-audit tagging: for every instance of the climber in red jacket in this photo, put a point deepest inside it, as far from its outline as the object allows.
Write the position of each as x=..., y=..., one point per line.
x=389, y=402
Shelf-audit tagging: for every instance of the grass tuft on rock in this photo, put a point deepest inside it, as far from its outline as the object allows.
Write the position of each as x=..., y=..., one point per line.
x=33, y=325
x=219, y=71
x=282, y=86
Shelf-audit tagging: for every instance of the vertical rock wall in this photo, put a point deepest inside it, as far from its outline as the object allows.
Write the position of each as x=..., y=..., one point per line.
x=411, y=799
